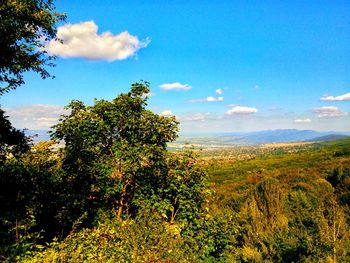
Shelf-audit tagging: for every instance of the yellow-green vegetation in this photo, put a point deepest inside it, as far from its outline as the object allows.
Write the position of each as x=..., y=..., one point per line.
x=251, y=163
x=292, y=206
x=141, y=240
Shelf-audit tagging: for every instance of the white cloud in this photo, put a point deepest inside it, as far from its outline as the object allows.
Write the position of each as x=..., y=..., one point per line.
x=208, y=99
x=345, y=96
x=219, y=91
x=307, y=120
x=167, y=113
x=35, y=117
x=194, y=117
x=241, y=110
x=212, y=99
x=329, y=112
x=82, y=40
x=256, y=87
x=175, y=86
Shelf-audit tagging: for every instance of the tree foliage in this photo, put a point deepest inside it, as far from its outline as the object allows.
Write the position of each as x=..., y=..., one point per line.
x=25, y=25
x=114, y=163
x=113, y=148
x=12, y=140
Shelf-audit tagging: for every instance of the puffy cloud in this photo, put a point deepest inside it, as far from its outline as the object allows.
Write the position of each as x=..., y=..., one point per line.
x=241, y=110
x=35, y=117
x=219, y=91
x=167, y=113
x=175, y=86
x=307, y=120
x=82, y=40
x=329, y=112
x=345, y=96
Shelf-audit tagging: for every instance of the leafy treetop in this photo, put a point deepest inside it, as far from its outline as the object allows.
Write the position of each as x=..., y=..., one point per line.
x=25, y=26
x=120, y=140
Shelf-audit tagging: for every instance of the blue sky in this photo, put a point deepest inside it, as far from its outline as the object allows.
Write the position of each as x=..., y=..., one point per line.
x=277, y=64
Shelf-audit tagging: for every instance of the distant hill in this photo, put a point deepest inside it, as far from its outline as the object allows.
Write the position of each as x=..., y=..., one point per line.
x=259, y=137
x=290, y=135
x=330, y=137
x=281, y=136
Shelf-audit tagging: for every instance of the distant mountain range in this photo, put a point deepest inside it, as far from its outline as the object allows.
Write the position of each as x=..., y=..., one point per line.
x=331, y=137
x=287, y=135
x=263, y=137
x=238, y=138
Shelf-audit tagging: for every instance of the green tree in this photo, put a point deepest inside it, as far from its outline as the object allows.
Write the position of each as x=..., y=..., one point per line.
x=179, y=195
x=30, y=200
x=24, y=27
x=12, y=141
x=114, y=164
x=112, y=149
x=13, y=144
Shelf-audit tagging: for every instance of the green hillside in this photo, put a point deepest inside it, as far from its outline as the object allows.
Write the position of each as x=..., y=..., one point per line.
x=312, y=159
